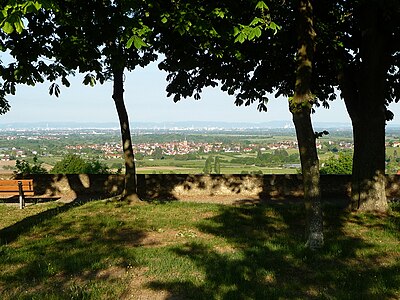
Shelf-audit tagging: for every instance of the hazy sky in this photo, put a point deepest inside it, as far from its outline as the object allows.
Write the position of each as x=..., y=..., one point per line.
x=146, y=100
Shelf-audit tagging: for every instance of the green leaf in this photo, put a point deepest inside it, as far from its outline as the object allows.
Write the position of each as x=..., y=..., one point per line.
x=240, y=38
x=138, y=42
x=31, y=7
x=89, y=80
x=257, y=32
x=37, y=5
x=255, y=21
x=7, y=27
x=275, y=27
x=251, y=35
x=19, y=26
x=129, y=43
x=219, y=13
x=213, y=32
x=261, y=5
x=236, y=31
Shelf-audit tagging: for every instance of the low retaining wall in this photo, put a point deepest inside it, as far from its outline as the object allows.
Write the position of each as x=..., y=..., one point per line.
x=178, y=186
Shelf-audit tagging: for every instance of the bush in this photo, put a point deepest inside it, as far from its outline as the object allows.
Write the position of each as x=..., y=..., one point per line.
x=74, y=164
x=23, y=167
x=341, y=165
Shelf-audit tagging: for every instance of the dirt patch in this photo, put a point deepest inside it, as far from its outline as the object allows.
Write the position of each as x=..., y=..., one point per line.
x=161, y=168
x=6, y=168
x=115, y=272
x=137, y=288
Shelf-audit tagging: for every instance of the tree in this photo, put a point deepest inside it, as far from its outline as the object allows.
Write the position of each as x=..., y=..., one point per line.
x=208, y=165
x=300, y=106
x=98, y=44
x=345, y=58
x=158, y=153
x=340, y=165
x=216, y=51
x=368, y=78
x=217, y=165
x=101, y=38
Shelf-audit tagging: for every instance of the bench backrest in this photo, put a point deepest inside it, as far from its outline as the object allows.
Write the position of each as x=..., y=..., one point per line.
x=10, y=187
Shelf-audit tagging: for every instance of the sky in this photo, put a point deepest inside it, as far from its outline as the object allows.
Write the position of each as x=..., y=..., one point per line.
x=147, y=101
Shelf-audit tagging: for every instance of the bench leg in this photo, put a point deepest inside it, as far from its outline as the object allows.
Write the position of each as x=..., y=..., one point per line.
x=21, y=195
x=21, y=202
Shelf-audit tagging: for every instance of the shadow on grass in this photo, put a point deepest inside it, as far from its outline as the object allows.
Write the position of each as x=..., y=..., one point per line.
x=82, y=193
x=79, y=256
x=28, y=200
x=11, y=233
x=266, y=259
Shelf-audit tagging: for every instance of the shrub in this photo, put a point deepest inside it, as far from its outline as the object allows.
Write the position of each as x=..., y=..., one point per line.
x=23, y=167
x=74, y=164
x=341, y=165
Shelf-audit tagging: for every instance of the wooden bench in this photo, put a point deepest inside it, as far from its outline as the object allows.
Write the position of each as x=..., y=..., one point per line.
x=17, y=187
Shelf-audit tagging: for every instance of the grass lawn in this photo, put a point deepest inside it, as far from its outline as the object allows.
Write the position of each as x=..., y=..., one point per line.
x=175, y=250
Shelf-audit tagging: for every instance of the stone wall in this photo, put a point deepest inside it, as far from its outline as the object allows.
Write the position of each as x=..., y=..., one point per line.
x=178, y=186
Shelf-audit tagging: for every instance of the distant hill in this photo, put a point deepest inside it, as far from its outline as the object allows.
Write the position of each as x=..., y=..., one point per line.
x=173, y=125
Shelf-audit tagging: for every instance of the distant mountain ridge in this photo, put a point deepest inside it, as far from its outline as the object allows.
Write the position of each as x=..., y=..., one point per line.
x=171, y=125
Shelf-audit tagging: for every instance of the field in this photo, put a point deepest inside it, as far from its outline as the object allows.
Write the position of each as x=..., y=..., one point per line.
x=169, y=165
x=178, y=250
x=196, y=166
x=88, y=146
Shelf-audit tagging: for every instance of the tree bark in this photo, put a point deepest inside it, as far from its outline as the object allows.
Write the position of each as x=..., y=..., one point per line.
x=130, y=184
x=311, y=178
x=365, y=102
x=368, y=179
x=300, y=107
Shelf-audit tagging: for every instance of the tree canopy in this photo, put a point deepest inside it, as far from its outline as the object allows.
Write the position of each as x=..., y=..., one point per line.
x=28, y=55
x=106, y=39
x=356, y=51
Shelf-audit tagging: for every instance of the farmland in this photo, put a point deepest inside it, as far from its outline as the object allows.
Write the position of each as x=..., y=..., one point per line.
x=238, y=151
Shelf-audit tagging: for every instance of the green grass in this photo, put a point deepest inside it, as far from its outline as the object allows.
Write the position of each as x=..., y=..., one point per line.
x=110, y=250
x=167, y=166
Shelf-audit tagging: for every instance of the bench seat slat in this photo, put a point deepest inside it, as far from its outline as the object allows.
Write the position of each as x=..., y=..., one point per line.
x=10, y=187
x=14, y=181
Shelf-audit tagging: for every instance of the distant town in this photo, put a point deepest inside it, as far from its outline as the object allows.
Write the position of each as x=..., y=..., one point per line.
x=176, y=148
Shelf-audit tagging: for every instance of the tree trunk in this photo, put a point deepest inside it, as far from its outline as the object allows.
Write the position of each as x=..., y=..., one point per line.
x=365, y=102
x=130, y=186
x=310, y=171
x=300, y=107
x=368, y=180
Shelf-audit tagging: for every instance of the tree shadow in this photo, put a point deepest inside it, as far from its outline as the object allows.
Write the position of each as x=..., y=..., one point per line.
x=11, y=233
x=268, y=260
x=82, y=193
x=267, y=188
x=92, y=252
x=73, y=257
x=28, y=200
x=75, y=185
